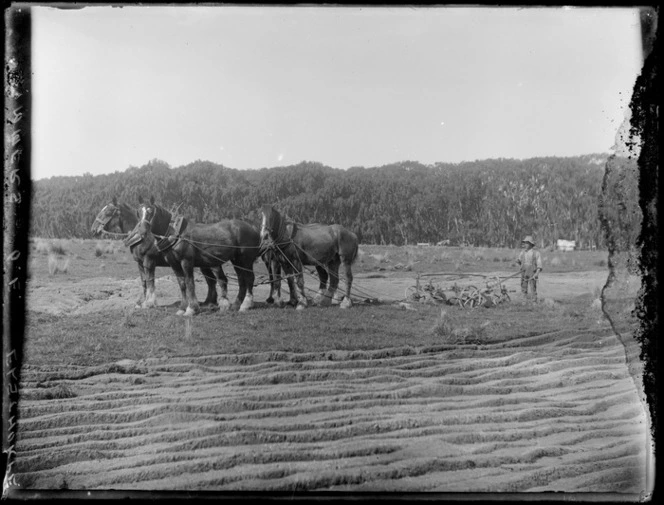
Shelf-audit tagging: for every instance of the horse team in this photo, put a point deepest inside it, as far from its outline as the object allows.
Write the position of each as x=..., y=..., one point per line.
x=159, y=238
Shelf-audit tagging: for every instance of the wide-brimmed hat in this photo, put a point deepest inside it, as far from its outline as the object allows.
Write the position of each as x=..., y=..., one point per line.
x=528, y=239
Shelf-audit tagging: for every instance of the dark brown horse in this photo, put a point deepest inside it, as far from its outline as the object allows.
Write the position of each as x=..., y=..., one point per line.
x=274, y=273
x=187, y=246
x=325, y=247
x=119, y=219
x=114, y=219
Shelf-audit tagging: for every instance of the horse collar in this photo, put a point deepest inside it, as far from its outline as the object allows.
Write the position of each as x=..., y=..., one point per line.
x=177, y=225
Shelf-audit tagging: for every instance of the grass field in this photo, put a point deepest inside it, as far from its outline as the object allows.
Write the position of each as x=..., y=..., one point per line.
x=385, y=396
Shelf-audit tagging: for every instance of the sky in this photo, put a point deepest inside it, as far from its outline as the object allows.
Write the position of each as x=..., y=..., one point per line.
x=257, y=86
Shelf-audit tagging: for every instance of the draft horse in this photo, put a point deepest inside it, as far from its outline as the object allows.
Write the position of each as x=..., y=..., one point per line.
x=120, y=219
x=325, y=247
x=202, y=245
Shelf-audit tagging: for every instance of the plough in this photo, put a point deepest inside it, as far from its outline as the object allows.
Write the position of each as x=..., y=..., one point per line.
x=494, y=293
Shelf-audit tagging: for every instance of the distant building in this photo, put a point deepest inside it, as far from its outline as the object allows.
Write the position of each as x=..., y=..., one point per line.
x=566, y=245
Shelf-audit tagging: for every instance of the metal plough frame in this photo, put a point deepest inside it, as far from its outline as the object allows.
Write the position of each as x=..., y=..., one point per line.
x=493, y=294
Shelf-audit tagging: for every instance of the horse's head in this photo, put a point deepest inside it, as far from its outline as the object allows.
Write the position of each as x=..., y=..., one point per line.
x=153, y=217
x=274, y=227
x=109, y=219
x=267, y=224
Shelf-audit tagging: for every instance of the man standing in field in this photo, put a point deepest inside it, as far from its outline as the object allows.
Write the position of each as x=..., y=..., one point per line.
x=530, y=262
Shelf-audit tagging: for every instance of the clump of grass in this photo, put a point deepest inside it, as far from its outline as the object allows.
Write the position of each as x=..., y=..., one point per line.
x=443, y=327
x=41, y=246
x=383, y=258
x=475, y=333
x=127, y=319
x=61, y=391
x=57, y=264
x=102, y=248
x=57, y=247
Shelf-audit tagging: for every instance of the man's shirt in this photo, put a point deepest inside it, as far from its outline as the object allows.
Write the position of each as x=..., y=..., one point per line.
x=530, y=261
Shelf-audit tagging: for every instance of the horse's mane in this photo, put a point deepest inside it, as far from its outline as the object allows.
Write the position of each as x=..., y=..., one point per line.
x=125, y=208
x=162, y=213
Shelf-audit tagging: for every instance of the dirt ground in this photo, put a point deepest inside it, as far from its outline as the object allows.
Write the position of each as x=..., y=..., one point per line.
x=107, y=293
x=548, y=412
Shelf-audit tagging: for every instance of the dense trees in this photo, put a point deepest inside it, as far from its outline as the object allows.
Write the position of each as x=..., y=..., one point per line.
x=483, y=203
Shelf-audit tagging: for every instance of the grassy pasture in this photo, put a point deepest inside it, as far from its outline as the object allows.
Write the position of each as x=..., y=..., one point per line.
x=109, y=336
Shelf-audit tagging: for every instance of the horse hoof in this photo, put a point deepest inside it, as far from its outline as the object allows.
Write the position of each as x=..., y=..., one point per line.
x=180, y=313
x=345, y=304
x=300, y=307
x=270, y=300
x=324, y=301
x=247, y=304
x=189, y=312
x=224, y=305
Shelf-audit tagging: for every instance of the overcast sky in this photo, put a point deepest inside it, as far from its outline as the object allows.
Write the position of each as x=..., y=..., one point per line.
x=253, y=87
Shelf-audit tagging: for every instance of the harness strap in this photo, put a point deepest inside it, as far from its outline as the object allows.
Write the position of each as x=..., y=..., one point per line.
x=177, y=226
x=133, y=239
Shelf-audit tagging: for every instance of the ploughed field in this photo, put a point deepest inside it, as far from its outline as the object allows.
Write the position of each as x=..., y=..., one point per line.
x=385, y=396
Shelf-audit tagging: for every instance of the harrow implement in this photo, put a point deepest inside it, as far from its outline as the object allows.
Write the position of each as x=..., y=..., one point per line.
x=468, y=297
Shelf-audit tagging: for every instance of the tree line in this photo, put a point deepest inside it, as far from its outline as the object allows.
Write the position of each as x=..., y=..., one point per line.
x=482, y=203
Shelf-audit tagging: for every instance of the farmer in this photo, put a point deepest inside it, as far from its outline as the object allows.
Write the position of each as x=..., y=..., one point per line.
x=531, y=265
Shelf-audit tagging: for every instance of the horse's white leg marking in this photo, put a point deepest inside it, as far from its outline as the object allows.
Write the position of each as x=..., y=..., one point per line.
x=180, y=312
x=150, y=298
x=301, y=302
x=189, y=312
x=319, y=299
x=247, y=303
x=278, y=302
x=346, y=303
x=224, y=304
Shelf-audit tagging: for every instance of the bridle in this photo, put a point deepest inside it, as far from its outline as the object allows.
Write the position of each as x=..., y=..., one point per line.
x=104, y=221
x=145, y=212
